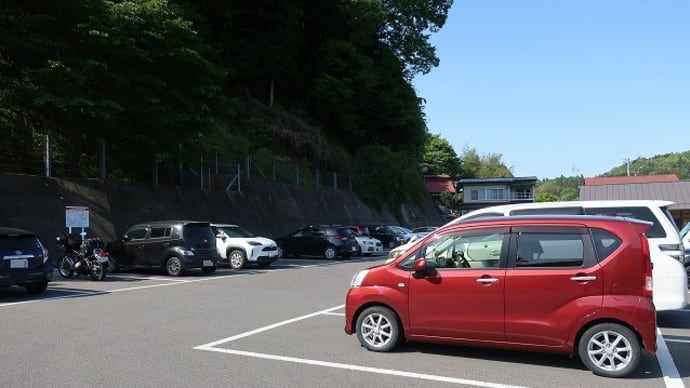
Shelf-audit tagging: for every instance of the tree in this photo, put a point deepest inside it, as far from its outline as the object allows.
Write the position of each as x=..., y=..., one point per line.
x=407, y=28
x=440, y=157
x=485, y=166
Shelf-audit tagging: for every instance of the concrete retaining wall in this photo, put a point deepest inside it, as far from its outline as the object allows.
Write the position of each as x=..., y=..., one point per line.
x=38, y=204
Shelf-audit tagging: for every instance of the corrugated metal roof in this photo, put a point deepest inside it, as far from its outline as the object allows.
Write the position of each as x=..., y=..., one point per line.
x=677, y=192
x=620, y=180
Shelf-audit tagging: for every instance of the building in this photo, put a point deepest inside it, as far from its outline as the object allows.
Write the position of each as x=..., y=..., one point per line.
x=478, y=193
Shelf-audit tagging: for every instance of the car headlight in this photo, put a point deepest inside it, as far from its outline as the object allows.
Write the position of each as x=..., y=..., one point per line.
x=358, y=278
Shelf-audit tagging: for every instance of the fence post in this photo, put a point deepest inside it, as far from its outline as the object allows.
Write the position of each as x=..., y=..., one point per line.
x=101, y=166
x=201, y=171
x=155, y=172
x=209, y=171
x=317, y=178
x=47, y=156
x=239, y=180
x=335, y=180
x=179, y=146
x=296, y=175
x=249, y=166
x=274, y=171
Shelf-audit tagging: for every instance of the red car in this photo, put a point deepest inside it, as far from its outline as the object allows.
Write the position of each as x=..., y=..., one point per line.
x=564, y=284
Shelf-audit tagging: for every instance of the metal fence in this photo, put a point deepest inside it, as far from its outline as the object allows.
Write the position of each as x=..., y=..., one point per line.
x=203, y=170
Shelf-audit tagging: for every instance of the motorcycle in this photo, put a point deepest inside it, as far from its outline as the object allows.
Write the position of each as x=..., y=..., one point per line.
x=85, y=257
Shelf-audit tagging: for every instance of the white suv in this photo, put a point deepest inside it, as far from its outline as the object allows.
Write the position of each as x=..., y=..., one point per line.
x=239, y=248
x=669, y=276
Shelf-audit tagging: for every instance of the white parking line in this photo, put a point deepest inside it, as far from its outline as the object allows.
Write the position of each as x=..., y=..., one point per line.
x=668, y=367
x=359, y=368
x=211, y=347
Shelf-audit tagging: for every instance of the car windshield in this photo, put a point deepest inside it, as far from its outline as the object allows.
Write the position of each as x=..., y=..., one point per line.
x=236, y=231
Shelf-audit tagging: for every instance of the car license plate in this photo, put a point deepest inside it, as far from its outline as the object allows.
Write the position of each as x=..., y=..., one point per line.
x=19, y=263
x=208, y=263
x=102, y=259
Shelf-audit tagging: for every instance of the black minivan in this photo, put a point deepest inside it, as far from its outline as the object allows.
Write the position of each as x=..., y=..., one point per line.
x=174, y=246
x=23, y=261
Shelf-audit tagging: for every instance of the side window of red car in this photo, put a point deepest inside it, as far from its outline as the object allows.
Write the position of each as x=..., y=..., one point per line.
x=550, y=250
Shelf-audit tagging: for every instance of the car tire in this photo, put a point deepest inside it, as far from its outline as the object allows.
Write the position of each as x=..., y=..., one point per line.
x=391, y=244
x=378, y=329
x=173, y=266
x=237, y=259
x=330, y=253
x=358, y=253
x=209, y=269
x=610, y=350
x=36, y=288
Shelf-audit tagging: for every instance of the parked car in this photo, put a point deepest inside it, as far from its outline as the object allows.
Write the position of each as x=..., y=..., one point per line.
x=327, y=241
x=685, y=238
x=670, y=276
x=24, y=261
x=567, y=284
x=422, y=231
x=367, y=245
x=238, y=247
x=389, y=235
x=174, y=246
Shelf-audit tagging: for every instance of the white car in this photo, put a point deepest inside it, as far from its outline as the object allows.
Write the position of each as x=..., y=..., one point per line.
x=669, y=275
x=368, y=246
x=239, y=248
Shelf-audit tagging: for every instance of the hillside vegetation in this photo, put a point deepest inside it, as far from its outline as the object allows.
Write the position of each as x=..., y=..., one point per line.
x=324, y=84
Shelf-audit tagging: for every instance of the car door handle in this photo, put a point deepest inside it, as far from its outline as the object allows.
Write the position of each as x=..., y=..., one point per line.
x=165, y=244
x=487, y=280
x=583, y=278
x=141, y=247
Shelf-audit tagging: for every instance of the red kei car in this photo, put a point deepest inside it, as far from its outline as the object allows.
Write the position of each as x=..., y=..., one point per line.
x=565, y=284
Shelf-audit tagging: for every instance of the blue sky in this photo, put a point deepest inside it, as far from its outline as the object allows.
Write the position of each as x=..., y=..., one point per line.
x=566, y=87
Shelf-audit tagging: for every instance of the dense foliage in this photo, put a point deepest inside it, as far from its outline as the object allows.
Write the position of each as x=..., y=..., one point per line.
x=163, y=82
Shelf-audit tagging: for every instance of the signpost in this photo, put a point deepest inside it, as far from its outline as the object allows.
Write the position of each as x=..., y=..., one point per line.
x=77, y=217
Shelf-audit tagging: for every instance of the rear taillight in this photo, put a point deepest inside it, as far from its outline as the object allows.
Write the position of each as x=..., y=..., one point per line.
x=647, y=282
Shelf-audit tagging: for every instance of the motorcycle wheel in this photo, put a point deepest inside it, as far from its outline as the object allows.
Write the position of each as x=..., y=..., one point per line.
x=65, y=266
x=98, y=271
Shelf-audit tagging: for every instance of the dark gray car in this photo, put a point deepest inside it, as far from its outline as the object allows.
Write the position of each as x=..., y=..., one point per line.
x=174, y=246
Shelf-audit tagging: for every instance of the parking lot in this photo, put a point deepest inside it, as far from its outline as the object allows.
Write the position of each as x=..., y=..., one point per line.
x=279, y=327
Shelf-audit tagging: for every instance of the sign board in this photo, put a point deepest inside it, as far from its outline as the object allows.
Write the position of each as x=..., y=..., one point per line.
x=76, y=216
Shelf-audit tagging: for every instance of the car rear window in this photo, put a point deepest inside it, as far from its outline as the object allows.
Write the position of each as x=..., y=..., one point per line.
x=198, y=235
x=340, y=232
x=22, y=243
x=604, y=243
x=640, y=213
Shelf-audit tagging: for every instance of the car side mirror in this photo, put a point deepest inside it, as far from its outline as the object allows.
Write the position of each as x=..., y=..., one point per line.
x=423, y=268
x=125, y=237
x=221, y=236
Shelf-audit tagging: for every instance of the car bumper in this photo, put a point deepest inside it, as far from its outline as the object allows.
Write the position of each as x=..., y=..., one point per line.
x=199, y=262
x=41, y=274
x=261, y=256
